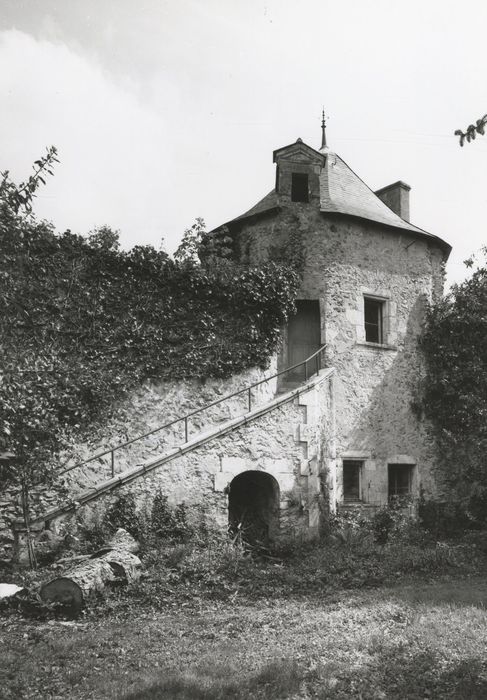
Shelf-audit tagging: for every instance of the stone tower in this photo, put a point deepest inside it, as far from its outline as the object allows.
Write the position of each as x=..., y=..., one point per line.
x=368, y=274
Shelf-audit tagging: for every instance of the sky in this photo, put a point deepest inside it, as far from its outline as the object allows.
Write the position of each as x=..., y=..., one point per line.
x=167, y=110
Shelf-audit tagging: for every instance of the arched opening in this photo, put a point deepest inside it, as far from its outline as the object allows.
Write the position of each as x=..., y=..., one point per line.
x=253, y=506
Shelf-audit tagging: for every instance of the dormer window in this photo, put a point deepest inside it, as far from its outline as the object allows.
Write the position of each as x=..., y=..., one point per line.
x=299, y=187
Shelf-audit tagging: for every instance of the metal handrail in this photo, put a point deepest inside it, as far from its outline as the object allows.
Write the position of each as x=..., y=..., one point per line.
x=111, y=450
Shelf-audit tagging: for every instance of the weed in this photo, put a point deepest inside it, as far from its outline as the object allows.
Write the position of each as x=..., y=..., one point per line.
x=382, y=524
x=169, y=523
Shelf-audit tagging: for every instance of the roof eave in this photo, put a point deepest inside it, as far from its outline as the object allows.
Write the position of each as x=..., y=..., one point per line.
x=419, y=233
x=246, y=218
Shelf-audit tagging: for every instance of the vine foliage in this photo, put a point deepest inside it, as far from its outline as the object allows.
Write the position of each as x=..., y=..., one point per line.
x=83, y=323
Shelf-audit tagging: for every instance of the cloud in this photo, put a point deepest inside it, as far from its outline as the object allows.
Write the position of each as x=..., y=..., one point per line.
x=114, y=149
x=167, y=111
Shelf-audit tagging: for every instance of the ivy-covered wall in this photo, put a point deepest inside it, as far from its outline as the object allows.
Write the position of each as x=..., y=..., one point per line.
x=84, y=325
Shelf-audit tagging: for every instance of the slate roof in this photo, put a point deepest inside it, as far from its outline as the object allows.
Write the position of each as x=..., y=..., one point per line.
x=343, y=192
x=267, y=204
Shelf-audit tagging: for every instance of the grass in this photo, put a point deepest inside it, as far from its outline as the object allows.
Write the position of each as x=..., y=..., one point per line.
x=400, y=642
x=274, y=680
x=205, y=626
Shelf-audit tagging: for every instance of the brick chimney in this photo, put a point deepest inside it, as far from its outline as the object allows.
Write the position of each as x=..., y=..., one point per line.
x=396, y=196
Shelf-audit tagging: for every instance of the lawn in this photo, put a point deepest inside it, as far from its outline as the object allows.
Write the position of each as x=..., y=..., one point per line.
x=425, y=636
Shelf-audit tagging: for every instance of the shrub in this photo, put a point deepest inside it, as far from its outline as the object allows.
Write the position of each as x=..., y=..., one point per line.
x=123, y=513
x=182, y=530
x=444, y=519
x=168, y=523
x=161, y=516
x=391, y=520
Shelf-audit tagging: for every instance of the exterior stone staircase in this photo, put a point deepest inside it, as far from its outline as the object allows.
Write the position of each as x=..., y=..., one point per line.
x=289, y=437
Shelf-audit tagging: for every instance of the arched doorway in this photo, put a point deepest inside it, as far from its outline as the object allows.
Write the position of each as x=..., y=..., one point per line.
x=253, y=506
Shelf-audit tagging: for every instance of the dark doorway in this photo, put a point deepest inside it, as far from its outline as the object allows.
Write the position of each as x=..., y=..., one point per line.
x=304, y=338
x=253, y=506
x=351, y=481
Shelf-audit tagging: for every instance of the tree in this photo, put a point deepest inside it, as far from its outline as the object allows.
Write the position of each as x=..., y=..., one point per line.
x=454, y=342
x=17, y=394
x=104, y=238
x=18, y=199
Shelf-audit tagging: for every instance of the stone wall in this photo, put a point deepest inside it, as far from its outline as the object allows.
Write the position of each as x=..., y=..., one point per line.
x=158, y=404
x=151, y=406
x=376, y=385
x=293, y=443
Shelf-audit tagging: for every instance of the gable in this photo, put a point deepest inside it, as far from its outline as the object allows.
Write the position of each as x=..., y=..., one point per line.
x=298, y=152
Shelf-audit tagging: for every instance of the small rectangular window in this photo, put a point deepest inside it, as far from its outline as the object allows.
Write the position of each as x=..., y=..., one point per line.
x=374, y=319
x=299, y=187
x=400, y=479
x=351, y=480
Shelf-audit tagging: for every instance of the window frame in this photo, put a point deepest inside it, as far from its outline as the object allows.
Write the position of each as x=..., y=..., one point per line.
x=389, y=322
x=380, y=304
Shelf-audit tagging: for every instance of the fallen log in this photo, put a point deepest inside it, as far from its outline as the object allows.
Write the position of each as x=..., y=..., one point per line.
x=124, y=540
x=73, y=559
x=115, y=566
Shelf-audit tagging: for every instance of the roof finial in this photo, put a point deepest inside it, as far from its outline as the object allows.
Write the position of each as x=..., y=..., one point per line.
x=323, y=129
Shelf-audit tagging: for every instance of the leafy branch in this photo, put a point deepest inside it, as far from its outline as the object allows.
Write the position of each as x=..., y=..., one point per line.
x=18, y=197
x=472, y=131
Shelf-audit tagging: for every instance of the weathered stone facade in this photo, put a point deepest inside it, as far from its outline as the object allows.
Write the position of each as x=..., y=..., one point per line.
x=157, y=404
x=289, y=438
x=355, y=248
x=153, y=405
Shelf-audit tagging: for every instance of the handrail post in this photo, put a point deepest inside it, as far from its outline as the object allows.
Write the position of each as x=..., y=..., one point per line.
x=319, y=362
